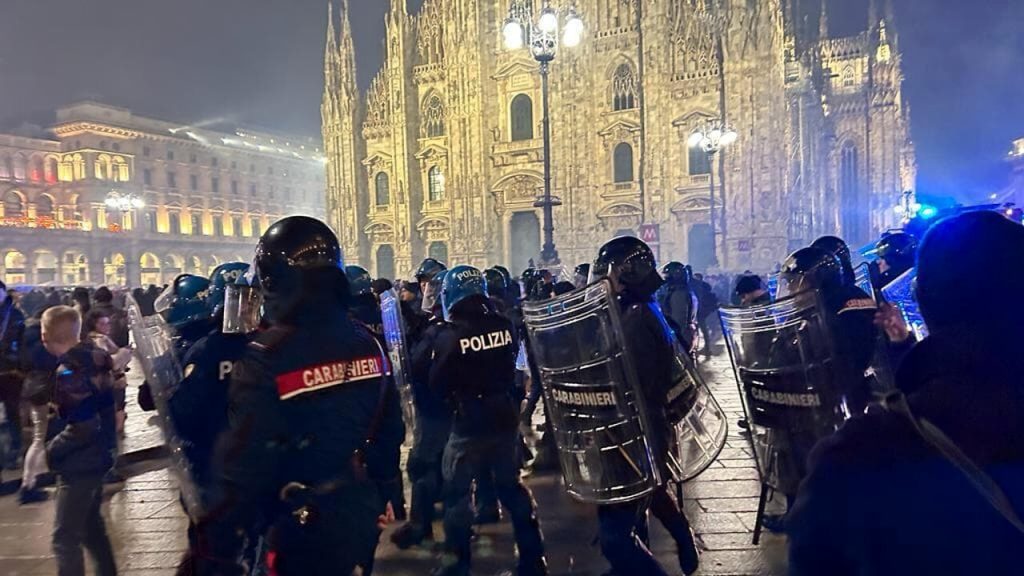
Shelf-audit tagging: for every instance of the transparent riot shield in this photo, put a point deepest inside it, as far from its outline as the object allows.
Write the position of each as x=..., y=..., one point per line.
x=901, y=292
x=398, y=352
x=154, y=346
x=862, y=278
x=699, y=424
x=880, y=372
x=594, y=402
x=784, y=362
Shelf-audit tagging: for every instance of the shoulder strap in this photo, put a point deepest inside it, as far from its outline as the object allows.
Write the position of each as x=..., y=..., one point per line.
x=937, y=439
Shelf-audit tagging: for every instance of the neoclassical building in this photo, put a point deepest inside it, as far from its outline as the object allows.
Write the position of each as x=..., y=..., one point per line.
x=191, y=198
x=443, y=154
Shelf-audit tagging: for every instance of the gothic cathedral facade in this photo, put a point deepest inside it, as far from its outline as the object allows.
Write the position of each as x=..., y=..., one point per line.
x=443, y=154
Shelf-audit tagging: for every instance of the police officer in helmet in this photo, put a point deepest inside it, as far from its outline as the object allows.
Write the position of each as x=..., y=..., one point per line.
x=475, y=369
x=896, y=254
x=581, y=275
x=629, y=264
x=363, y=305
x=678, y=303
x=199, y=406
x=307, y=403
x=433, y=423
x=838, y=248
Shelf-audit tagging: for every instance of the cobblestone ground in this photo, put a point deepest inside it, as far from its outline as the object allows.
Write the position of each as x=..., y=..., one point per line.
x=148, y=527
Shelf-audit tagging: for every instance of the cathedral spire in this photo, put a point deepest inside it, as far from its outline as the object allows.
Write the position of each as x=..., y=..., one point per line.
x=330, y=52
x=346, y=55
x=823, y=21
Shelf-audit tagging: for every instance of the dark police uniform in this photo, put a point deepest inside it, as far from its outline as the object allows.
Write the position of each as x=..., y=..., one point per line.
x=475, y=367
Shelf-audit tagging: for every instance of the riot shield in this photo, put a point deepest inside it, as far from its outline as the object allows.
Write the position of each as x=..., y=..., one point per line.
x=901, y=292
x=154, y=347
x=880, y=372
x=784, y=362
x=862, y=279
x=398, y=352
x=699, y=424
x=594, y=403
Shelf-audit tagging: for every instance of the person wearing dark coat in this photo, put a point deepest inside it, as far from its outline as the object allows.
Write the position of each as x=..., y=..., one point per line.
x=12, y=332
x=880, y=498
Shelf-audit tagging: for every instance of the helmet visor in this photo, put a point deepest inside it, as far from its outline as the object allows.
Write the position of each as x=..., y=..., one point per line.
x=242, y=309
x=165, y=300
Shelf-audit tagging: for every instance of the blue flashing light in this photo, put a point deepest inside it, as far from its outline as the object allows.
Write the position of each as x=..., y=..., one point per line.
x=928, y=212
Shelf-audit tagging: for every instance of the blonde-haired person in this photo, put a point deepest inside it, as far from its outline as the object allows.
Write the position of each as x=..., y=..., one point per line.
x=82, y=453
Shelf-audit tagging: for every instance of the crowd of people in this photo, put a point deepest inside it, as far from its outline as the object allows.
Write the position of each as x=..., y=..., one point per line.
x=290, y=418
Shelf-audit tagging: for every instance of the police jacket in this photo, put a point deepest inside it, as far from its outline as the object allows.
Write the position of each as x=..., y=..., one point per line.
x=879, y=500
x=84, y=395
x=679, y=305
x=300, y=403
x=854, y=337
x=12, y=330
x=430, y=401
x=199, y=406
x=474, y=367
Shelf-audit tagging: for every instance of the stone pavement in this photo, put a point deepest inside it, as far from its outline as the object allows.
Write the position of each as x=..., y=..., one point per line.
x=148, y=527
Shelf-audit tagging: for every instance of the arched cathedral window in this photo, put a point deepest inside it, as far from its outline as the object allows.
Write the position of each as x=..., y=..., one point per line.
x=624, y=90
x=622, y=163
x=433, y=118
x=382, y=189
x=521, y=113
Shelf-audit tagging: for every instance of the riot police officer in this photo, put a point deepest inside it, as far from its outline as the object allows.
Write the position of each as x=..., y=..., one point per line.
x=433, y=425
x=629, y=265
x=475, y=369
x=199, y=406
x=426, y=272
x=896, y=253
x=837, y=247
x=364, y=309
x=679, y=303
x=307, y=405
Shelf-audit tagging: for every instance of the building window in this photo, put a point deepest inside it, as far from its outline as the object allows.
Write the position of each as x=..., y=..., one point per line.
x=213, y=161
x=147, y=177
x=700, y=161
x=192, y=158
x=145, y=151
x=193, y=182
x=234, y=186
x=254, y=226
x=172, y=180
x=119, y=169
x=236, y=226
x=174, y=223
x=44, y=207
x=101, y=168
x=385, y=261
x=848, y=77
x=252, y=189
x=218, y=225
x=622, y=162
x=150, y=218
x=435, y=184
x=196, y=223
x=13, y=206
x=170, y=154
x=438, y=251
x=116, y=147
x=521, y=116
x=215, y=184
x=103, y=144
x=624, y=89
x=433, y=118
x=383, y=189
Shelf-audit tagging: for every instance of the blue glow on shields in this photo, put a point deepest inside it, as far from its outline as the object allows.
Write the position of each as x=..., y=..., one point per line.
x=928, y=212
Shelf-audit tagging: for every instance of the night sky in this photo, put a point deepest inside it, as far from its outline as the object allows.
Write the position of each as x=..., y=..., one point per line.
x=259, y=63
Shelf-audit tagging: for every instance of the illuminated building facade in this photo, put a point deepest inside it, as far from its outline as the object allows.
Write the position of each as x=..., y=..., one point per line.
x=443, y=155
x=1016, y=159
x=108, y=197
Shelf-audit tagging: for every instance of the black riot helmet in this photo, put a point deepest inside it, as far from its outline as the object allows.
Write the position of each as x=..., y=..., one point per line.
x=811, y=268
x=428, y=269
x=497, y=285
x=504, y=272
x=631, y=263
x=676, y=273
x=299, y=262
x=898, y=250
x=581, y=275
x=838, y=248
x=431, y=296
x=359, y=280
x=461, y=286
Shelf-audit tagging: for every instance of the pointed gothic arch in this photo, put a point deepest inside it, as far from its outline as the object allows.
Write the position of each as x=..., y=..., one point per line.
x=624, y=87
x=432, y=119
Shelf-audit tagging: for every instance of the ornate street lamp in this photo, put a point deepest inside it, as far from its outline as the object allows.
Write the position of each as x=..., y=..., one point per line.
x=545, y=37
x=711, y=138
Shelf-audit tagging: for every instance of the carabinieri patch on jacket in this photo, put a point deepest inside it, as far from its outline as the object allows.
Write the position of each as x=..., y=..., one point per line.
x=328, y=375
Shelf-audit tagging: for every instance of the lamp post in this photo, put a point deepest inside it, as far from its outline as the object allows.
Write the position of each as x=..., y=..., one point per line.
x=711, y=138
x=544, y=39
x=123, y=203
